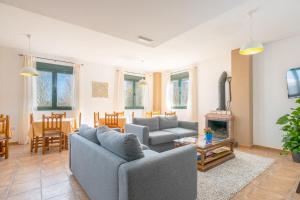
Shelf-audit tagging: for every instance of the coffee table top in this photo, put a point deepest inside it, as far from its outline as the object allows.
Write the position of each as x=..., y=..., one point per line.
x=201, y=143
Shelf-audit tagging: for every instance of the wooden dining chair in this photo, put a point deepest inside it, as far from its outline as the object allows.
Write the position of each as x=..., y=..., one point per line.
x=35, y=141
x=96, y=119
x=64, y=114
x=52, y=130
x=4, y=135
x=112, y=120
x=120, y=114
x=170, y=114
x=148, y=114
x=77, y=122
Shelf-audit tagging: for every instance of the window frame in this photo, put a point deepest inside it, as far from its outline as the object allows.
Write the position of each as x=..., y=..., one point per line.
x=180, y=77
x=54, y=69
x=134, y=80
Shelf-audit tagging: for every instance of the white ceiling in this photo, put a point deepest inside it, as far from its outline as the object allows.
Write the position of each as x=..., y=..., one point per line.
x=159, y=20
x=195, y=37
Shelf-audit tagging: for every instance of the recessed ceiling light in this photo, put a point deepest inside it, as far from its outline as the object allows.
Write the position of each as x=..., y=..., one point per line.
x=145, y=40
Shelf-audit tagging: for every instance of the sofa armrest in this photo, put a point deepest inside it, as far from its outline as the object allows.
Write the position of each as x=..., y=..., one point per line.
x=142, y=132
x=95, y=168
x=188, y=125
x=171, y=175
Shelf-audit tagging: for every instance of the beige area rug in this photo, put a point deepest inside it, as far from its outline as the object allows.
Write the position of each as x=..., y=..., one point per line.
x=225, y=180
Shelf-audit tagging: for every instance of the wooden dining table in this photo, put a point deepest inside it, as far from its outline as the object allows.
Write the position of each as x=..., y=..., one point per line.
x=36, y=129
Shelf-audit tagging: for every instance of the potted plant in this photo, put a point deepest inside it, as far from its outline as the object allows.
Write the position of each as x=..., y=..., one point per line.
x=291, y=132
x=208, y=134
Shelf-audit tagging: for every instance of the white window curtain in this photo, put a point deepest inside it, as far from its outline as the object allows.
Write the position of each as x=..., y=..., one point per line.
x=167, y=92
x=119, y=104
x=76, y=88
x=27, y=102
x=148, y=92
x=192, y=104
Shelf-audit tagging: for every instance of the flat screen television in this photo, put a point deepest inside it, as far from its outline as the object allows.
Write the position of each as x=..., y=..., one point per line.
x=293, y=82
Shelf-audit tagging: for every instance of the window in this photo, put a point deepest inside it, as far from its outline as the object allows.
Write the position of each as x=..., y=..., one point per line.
x=180, y=83
x=133, y=92
x=54, y=87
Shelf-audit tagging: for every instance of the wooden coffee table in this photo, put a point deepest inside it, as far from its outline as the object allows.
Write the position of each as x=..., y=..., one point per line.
x=211, y=154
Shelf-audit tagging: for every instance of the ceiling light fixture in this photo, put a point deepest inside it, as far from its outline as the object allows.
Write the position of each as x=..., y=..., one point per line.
x=251, y=47
x=145, y=40
x=29, y=70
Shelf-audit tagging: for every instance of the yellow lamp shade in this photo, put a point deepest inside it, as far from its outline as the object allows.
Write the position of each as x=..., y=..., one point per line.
x=29, y=71
x=251, y=48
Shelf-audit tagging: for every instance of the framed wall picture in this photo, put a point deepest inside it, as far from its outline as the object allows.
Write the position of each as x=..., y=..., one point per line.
x=99, y=89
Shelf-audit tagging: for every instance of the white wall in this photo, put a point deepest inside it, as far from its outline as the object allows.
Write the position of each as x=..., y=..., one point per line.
x=270, y=100
x=208, y=77
x=10, y=86
x=88, y=105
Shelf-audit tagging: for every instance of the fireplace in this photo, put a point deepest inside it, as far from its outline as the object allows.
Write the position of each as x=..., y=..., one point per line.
x=221, y=124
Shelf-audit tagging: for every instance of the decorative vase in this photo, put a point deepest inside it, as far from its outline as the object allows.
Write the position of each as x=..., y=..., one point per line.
x=208, y=137
x=296, y=157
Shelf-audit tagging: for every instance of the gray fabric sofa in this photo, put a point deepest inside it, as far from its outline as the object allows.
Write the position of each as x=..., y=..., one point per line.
x=171, y=175
x=159, y=132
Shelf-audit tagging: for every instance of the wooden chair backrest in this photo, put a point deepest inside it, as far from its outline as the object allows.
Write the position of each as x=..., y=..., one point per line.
x=4, y=125
x=148, y=114
x=111, y=120
x=120, y=114
x=79, y=119
x=170, y=114
x=64, y=114
x=96, y=119
x=52, y=123
x=31, y=118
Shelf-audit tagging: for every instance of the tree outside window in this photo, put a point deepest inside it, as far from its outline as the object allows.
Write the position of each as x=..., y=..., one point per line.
x=54, y=87
x=180, y=83
x=133, y=92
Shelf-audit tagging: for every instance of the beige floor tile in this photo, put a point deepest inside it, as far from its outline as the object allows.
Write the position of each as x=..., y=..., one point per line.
x=17, y=188
x=56, y=189
x=54, y=179
x=30, y=195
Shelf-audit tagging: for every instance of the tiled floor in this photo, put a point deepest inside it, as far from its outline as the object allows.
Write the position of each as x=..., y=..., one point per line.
x=26, y=176
x=279, y=182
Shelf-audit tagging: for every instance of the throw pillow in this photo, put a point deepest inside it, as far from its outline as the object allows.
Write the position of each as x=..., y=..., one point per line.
x=127, y=146
x=151, y=123
x=89, y=133
x=168, y=122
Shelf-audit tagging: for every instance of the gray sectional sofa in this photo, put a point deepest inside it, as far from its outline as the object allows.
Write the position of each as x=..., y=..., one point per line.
x=105, y=174
x=159, y=132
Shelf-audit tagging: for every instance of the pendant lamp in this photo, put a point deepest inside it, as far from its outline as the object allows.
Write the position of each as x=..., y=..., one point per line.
x=251, y=47
x=28, y=68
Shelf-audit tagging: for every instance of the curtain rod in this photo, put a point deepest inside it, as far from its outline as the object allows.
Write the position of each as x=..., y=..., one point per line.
x=134, y=73
x=179, y=71
x=55, y=60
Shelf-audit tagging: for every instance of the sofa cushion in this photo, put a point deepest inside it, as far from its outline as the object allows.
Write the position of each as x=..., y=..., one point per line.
x=151, y=123
x=159, y=137
x=89, y=133
x=182, y=132
x=168, y=122
x=127, y=146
